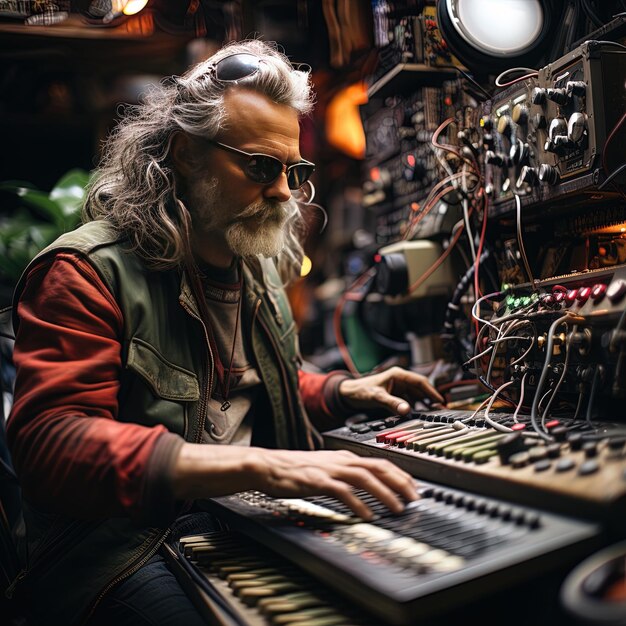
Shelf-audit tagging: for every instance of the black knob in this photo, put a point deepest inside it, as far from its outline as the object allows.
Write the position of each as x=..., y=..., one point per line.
x=494, y=158
x=539, y=121
x=557, y=95
x=576, y=126
x=510, y=445
x=519, y=152
x=538, y=95
x=575, y=441
x=560, y=141
x=590, y=449
x=559, y=433
x=392, y=276
x=575, y=87
x=548, y=174
x=528, y=175
x=617, y=443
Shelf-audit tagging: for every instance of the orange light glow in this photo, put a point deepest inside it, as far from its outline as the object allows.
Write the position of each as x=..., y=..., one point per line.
x=344, y=129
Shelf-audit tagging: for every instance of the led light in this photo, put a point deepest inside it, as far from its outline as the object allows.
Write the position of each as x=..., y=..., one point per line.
x=306, y=266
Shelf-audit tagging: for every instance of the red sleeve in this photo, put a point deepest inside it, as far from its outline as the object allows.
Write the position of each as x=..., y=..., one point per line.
x=70, y=453
x=321, y=398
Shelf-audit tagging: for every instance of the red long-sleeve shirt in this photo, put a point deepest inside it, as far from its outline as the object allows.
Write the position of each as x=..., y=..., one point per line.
x=71, y=454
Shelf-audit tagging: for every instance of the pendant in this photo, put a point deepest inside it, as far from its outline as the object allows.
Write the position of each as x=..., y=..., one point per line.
x=225, y=406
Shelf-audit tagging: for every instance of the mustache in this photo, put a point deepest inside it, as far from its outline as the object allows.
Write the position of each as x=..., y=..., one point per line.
x=269, y=209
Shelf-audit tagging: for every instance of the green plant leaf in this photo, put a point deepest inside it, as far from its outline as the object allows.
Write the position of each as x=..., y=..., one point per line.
x=69, y=192
x=12, y=185
x=40, y=203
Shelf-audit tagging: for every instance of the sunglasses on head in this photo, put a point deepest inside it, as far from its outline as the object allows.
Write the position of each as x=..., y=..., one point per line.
x=241, y=65
x=235, y=67
x=265, y=169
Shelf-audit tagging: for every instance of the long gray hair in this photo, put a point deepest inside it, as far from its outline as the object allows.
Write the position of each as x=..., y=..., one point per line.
x=135, y=185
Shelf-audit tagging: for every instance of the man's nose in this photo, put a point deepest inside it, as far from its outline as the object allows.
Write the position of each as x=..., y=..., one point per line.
x=278, y=190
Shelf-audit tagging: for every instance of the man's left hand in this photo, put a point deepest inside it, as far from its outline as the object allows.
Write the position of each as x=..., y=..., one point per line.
x=395, y=389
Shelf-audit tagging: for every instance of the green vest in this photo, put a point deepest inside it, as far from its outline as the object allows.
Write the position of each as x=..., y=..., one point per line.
x=166, y=378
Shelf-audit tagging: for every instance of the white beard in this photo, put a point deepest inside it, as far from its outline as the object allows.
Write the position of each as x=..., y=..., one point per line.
x=258, y=229
x=264, y=236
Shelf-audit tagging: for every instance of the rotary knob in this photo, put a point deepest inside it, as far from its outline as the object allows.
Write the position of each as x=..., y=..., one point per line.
x=576, y=126
x=558, y=126
x=538, y=96
x=519, y=152
x=504, y=125
x=520, y=113
x=497, y=159
x=575, y=87
x=557, y=95
x=548, y=174
x=528, y=175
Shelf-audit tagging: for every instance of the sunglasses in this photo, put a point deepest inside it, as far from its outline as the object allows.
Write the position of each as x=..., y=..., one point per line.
x=241, y=65
x=265, y=169
x=235, y=67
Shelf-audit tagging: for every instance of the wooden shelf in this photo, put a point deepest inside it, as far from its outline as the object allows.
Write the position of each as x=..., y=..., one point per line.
x=405, y=76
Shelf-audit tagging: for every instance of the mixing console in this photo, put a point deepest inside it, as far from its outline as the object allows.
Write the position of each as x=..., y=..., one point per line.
x=244, y=584
x=446, y=548
x=578, y=469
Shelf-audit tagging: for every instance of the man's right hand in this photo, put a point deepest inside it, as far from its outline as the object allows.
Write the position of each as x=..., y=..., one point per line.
x=203, y=471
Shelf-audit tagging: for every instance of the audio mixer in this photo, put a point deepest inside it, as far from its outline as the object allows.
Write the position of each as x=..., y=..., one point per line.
x=446, y=549
x=580, y=470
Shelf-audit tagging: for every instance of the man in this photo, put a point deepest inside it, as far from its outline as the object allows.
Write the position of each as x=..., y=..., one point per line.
x=161, y=326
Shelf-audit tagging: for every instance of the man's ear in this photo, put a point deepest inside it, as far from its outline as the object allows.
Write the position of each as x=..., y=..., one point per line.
x=181, y=152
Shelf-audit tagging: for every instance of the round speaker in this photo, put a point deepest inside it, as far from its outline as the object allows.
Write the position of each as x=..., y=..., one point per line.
x=594, y=593
x=493, y=35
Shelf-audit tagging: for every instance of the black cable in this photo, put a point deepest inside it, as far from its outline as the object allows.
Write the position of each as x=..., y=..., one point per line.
x=612, y=175
x=453, y=309
x=592, y=393
x=470, y=78
x=597, y=22
x=607, y=43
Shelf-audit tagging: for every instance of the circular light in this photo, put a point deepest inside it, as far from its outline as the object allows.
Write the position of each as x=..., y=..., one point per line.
x=306, y=266
x=504, y=27
x=491, y=35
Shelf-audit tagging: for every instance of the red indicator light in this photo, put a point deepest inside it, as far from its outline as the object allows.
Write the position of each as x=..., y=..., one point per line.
x=410, y=159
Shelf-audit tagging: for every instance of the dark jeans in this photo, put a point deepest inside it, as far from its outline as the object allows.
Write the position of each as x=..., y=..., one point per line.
x=152, y=595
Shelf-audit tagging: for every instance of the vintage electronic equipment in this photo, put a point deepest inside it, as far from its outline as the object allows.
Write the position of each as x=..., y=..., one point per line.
x=556, y=137
x=446, y=548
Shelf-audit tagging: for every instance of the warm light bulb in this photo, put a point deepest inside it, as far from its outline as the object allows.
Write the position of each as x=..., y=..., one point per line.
x=134, y=6
x=306, y=266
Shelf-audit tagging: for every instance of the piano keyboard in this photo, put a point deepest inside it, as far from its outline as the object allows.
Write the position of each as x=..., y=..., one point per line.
x=581, y=471
x=237, y=582
x=444, y=549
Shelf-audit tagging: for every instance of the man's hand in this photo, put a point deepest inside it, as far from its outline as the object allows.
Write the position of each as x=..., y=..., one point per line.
x=395, y=389
x=211, y=470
